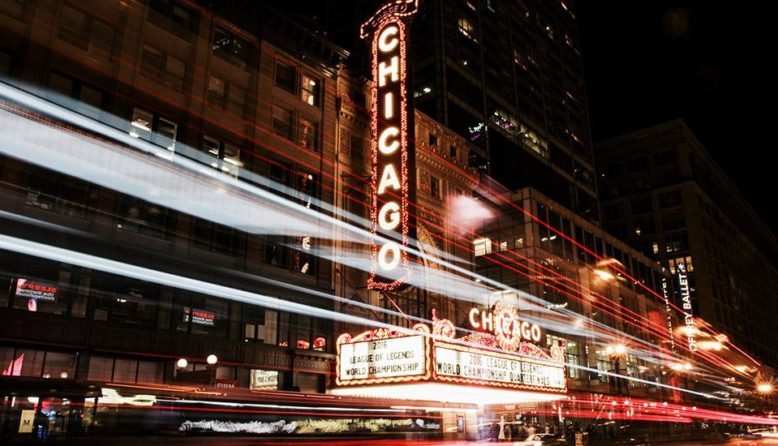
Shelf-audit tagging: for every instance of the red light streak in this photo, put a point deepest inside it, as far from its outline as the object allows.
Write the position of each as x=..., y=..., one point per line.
x=328, y=87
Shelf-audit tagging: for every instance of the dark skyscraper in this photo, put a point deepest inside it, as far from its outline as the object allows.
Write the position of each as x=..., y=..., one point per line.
x=664, y=194
x=508, y=76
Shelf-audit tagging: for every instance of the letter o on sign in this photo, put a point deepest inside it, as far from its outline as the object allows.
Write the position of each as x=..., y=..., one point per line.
x=389, y=256
x=535, y=333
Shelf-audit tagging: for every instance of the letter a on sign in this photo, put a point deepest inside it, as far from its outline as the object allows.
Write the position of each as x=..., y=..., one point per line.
x=393, y=170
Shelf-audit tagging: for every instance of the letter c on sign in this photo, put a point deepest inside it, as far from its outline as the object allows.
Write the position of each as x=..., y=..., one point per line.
x=472, y=315
x=384, y=145
x=384, y=43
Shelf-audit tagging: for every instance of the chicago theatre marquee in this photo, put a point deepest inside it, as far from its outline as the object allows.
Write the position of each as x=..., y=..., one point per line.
x=498, y=360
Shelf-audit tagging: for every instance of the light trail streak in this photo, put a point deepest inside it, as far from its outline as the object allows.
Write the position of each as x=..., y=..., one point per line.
x=198, y=154
x=285, y=221
x=149, y=275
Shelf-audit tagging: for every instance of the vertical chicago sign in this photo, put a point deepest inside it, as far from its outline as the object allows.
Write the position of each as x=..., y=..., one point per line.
x=393, y=155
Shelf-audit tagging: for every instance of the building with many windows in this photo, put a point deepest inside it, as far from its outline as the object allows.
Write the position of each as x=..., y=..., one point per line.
x=185, y=197
x=506, y=75
x=664, y=194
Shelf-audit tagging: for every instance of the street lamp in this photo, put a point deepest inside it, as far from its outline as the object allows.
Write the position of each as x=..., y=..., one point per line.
x=211, y=359
x=765, y=390
x=615, y=353
x=182, y=363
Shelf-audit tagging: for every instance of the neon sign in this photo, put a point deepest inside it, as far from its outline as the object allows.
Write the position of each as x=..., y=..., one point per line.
x=416, y=356
x=393, y=155
x=686, y=301
x=503, y=321
x=383, y=356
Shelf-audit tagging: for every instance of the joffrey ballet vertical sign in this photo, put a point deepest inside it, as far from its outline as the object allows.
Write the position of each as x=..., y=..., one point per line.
x=393, y=154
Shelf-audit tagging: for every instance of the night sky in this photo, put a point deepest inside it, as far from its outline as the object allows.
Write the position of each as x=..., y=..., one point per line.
x=705, y=62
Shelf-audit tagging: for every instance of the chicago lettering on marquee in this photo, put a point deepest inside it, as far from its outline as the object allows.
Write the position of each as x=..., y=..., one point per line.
x=393, y=155
x=503, y=321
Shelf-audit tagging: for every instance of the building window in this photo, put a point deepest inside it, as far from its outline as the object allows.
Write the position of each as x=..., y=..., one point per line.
x=85, y=32
x=676, y=265
x=125, y=302
x=357, y=145
x=37, y=363
x=89, y=101
x=200, y=315
x=614, y=211
x=435, y=188
x=42, y=295
x=433, y=140
x=673, y=221
x=222, y=156
x=143, y=217
x=282, y=122
x=309, y=134
x=309, y=90
x=217, y=238
x=670, y=199
x=467, y=29
x=171, y=15
x=226, y=96
x=641, y=205
x=230, y=47
x=125, y=370
x=286, y=76
x=54, y=192
x=146, y=125
x=163, y=67
x=452, y=153
x=259, y=325
x=677, y=243
x=217, y=92
x=482, y=246
x=303, y=259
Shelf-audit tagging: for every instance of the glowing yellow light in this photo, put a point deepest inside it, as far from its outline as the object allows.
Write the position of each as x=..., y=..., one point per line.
x=604, y=275
x=450, y=393
x=389, y=179
x=389, y=216
x=764, y=388
x=710, y=345
x=384, y=43
x=390, y=251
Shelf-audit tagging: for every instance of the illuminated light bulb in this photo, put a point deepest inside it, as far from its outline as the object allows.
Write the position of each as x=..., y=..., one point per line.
x=211, y=359
x=181, y=363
